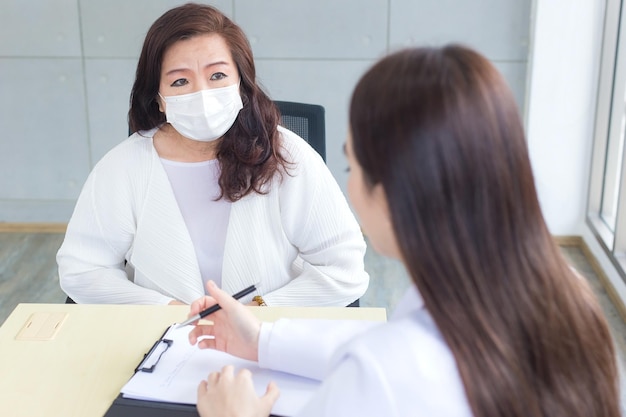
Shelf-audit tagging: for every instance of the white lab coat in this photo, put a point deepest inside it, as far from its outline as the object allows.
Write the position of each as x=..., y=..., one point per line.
x=400, y=368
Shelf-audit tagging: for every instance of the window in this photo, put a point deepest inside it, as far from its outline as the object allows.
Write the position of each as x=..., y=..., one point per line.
x=606, y=214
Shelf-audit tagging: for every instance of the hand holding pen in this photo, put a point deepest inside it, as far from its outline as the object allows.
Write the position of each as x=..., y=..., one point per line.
x=235, y=330
x=215, y=307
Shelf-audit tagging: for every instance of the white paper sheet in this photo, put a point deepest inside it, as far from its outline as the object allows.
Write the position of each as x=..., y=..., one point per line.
x=180, y=369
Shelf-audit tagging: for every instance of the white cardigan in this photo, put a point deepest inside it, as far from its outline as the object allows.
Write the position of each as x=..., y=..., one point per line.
x=300, y=242
x=395, y=369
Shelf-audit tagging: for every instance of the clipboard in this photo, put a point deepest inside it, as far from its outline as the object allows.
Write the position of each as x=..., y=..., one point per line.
x=128, y=407
x=131, y=407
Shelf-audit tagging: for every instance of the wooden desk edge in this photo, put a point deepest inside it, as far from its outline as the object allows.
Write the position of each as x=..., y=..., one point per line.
x=90, y=321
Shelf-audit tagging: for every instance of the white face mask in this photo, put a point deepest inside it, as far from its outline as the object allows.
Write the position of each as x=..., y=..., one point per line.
x=204, y=115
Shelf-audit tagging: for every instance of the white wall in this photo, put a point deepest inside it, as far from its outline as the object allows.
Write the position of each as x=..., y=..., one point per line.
x=67, y=66
x=563, y=81
x=563, y=76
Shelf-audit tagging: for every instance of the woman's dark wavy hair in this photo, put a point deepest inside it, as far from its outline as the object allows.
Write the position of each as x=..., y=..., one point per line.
x=249, y=153
x=439, y=129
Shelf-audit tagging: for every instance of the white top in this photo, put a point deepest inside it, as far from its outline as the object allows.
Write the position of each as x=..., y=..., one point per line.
x=299, y=242
x=396, y=369
x=196, y=188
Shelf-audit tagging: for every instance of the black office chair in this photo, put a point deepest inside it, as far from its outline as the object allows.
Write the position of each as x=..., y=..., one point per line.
x=307, y=121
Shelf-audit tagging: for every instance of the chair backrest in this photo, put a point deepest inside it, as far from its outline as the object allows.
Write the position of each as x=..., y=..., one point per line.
x=307, y=121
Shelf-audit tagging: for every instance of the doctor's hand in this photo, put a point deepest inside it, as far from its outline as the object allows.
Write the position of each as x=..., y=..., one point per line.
x=227, y=394
x=235, y=329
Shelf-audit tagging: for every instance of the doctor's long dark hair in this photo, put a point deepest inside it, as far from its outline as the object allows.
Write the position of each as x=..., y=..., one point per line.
x=439, y=129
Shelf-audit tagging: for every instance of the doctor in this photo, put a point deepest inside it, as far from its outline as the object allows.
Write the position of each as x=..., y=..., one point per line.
x=496, y=323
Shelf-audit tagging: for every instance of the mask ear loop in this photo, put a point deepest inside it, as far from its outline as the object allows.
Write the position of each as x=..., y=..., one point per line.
x=241, y=94
x=160, y=102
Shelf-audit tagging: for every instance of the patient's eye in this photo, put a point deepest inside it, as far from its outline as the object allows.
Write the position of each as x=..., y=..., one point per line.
x=218, y=76
x=179, y=82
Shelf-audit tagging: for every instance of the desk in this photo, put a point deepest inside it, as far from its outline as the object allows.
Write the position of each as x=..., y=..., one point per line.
x=82, y=370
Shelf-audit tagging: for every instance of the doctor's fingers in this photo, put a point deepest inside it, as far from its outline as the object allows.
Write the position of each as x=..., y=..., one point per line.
x=201, y=304
x=210, y=343
x=226, y=375
x=200, y=331
x=213, y=378
x=242, y=383
x=206, y=384
x=269, y=398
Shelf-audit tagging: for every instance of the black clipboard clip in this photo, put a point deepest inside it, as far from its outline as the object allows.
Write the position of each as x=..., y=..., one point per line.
x=152, y=358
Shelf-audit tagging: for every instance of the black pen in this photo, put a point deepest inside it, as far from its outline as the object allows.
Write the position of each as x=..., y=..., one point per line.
x=216, y=307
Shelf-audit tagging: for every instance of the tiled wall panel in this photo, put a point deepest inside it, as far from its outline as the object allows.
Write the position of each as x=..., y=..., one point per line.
x=497, y=28
x=43, y=148
x=109, y=82
x=116, y=28
x=39, y=28
x=333, y=81
x=287, y=29
x=515, y=75
x=67, y=66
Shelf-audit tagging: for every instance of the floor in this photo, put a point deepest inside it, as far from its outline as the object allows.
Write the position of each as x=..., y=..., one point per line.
x=28, y=274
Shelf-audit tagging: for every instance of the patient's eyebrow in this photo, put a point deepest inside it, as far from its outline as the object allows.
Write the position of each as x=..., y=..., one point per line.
x=345, y=149
x=184, y=69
